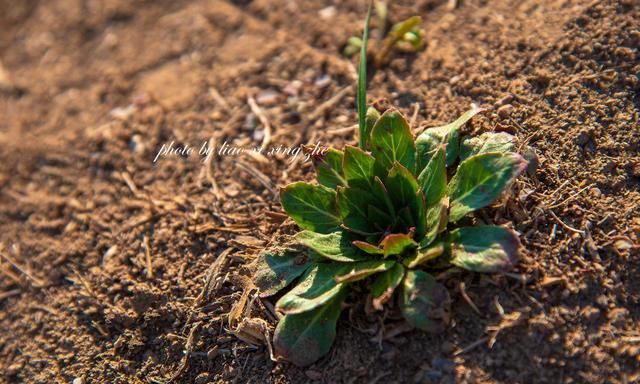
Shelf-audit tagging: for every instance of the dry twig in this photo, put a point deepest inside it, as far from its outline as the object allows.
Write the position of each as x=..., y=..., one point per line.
x=36, y=281
x=466, y=298
x=329, y=104
x=255, y=108
x=147, y=251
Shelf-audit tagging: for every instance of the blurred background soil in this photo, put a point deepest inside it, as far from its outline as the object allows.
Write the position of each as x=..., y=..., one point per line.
x=116, y=269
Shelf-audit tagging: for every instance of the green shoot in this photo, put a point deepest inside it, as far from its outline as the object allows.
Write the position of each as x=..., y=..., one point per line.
x=362, y=82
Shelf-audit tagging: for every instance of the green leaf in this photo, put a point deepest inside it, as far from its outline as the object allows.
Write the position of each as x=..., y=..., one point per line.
x=397, y=243
x=312, y=207
x=391, y=141
x=395, y=35
x=480, y=180
x=501, y=142
x=433, y=178
x=484, y=248
x=358, y=168
x=306, y=337
x=384, y=285
x=368, y=247
x=423, y=255
x=315, y=288
x=400, y=29
x=353, y=204
x=335, y=246
x=424, y=302
x=363, y=269
x=362, y=82
x=418, y=207
x=277, y=268
x=449, y=134
x=381, y=194
x=414, y=38
x=405, y=218
x=353, y=46
x=433, y=181
x=329, y=168
x=370, y=120
x=380, y=219
x=436, y=221
x=401, y=184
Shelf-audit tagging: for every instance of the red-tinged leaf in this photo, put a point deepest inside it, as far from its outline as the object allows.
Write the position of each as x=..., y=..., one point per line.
x=480, y=180
x=484, y=248
x=306, y=337
x=397, y=244
x=368, y=248
x=392, y=140
x=329, y=168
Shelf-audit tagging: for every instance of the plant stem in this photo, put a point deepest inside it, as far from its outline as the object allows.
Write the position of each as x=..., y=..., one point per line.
x=362, y=82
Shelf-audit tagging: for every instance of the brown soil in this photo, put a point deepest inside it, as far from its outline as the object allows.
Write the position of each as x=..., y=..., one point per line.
x=116, y=269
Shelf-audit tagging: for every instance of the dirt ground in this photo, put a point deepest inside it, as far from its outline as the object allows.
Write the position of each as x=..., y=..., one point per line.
x=116, y=269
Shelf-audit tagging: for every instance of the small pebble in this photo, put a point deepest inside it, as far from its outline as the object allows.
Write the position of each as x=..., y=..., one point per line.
x=322, y=81
x=327, y=12
x=78, y=380
x=455, y=79
x=123, y=113
x=508, y=128
x=268, y=97
x=602, y=301
x=505, y=110
x=506, y=99
x=293, y=88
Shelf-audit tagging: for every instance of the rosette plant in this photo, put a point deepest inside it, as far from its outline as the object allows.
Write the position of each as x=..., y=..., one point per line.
x=387, y=215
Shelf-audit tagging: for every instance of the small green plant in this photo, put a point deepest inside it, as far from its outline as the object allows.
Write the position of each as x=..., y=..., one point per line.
x=405, y=36
x=387, y=216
